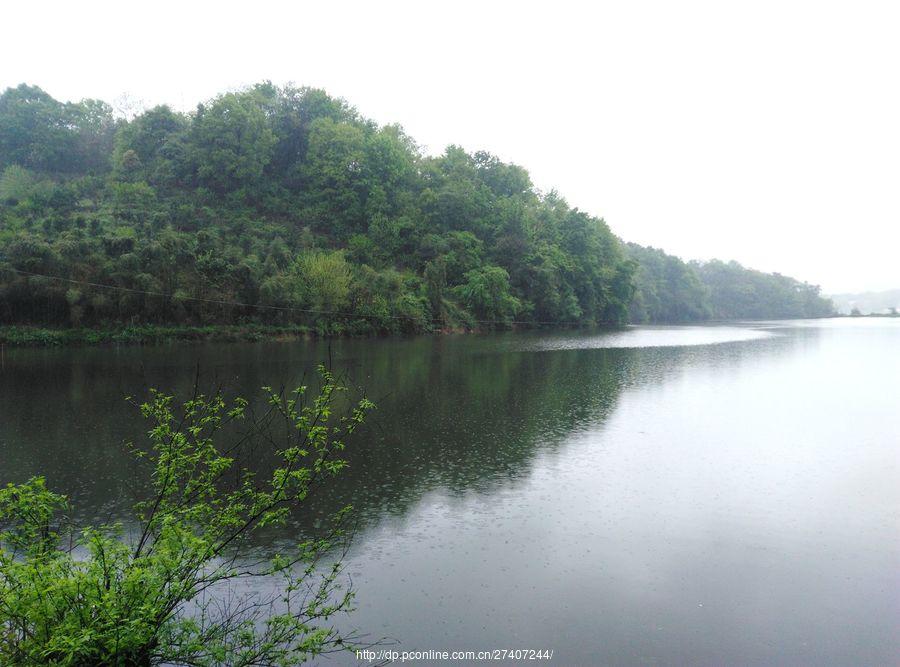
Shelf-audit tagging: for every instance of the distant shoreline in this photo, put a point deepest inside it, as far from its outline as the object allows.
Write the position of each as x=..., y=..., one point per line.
x=18, y=336
x=28, y=336
x=152, y=334
x=886, y=315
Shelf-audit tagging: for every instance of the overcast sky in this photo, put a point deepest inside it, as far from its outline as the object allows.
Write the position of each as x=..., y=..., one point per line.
x=766, y=132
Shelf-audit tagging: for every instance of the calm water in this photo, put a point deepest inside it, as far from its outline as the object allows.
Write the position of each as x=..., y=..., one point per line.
x=661, y=495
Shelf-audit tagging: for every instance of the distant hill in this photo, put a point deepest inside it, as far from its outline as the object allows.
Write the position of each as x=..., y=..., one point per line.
x=867, y=302
x=667, y=289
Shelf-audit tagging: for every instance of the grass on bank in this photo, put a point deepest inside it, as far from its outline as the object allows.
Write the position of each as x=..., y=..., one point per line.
x=25, y=336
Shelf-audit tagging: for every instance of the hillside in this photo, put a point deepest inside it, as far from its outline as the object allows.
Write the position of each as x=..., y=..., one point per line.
x=286, y=206
x=668, y=289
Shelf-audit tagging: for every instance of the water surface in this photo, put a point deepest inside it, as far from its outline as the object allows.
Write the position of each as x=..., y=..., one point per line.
x=659, y=495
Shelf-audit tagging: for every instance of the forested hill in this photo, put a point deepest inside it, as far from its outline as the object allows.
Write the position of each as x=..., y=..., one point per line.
x=285, y=205
x=668, y=289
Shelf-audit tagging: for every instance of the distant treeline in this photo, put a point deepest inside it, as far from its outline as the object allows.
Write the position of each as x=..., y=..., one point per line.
x=670, y=290
x=284, y=206
x=865, y=303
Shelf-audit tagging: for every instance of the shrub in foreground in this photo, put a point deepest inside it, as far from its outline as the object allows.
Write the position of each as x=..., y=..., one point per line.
x=165, y=589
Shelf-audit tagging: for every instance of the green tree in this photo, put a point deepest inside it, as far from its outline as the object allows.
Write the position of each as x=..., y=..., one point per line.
x=101, y=595
x=150, y=147
x=230, y=142
x=325, y=279
x=16, y=184
x=38, y=132
x=486, y=293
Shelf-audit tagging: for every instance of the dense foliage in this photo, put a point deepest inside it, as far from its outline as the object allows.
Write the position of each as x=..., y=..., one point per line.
x=736, y=292
x=167, y=588
x=288, y=198
x=284, y=206
x=670, y=290
x=666, y=288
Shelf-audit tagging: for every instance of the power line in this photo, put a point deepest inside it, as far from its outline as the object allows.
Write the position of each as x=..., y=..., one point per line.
x=262, y=306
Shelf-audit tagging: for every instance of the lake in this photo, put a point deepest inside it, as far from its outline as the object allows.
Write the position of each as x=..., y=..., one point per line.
x=722, y=494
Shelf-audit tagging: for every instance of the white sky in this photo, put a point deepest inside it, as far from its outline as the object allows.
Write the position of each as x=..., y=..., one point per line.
x=766, y=132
